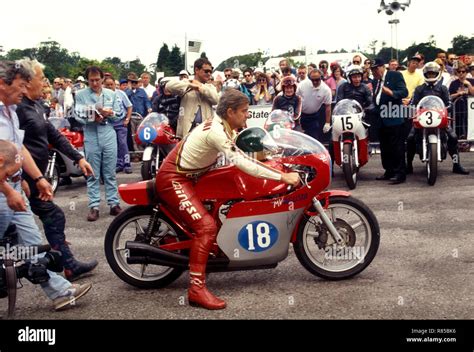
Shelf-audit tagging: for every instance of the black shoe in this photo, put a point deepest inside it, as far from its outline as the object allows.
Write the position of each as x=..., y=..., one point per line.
x=80, y=269
x=395, y=180
x=458, y=169
x=383, y=177
x=409, y=169
x=118, y=170
x=65, y=181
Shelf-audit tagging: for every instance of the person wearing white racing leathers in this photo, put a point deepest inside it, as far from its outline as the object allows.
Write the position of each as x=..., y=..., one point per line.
x=189, y=160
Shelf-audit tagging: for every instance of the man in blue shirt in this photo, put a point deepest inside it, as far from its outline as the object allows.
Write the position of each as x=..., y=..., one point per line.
x=120, y=126
x=96, y=107
x=141, y=104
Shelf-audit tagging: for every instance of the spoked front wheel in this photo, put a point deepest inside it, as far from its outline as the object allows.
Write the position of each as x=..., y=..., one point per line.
x=320, y=254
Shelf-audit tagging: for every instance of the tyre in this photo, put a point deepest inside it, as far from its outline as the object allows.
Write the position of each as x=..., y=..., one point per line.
x=131, y=225
x=148, y=169
x=320, y=254
x=432, y=164
x=349, y=166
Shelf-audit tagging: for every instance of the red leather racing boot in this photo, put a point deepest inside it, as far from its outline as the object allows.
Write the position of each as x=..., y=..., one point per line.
x=198, y=294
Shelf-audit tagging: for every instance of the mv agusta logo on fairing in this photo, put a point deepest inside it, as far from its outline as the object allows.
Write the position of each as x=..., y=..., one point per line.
x=184, y=203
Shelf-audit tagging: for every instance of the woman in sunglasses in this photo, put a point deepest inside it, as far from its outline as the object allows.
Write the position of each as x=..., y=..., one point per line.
x=459, y=90
x=263, y=91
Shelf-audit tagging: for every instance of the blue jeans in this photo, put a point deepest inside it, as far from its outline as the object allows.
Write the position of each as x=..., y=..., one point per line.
x=29, y=235
x=100, y=146
x=123, y=158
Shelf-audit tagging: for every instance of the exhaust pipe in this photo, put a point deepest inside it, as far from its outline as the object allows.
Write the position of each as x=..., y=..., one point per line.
x=142, y=253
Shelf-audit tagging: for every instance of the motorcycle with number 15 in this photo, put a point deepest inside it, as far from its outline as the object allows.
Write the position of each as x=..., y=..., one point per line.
x=334, y=235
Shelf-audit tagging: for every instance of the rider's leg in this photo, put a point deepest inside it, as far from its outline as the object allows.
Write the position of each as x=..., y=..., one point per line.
x=411, y=150
x=178, y=193
x=454, y=152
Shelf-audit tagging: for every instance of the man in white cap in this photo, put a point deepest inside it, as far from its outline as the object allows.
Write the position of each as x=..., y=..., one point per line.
x=183, y=74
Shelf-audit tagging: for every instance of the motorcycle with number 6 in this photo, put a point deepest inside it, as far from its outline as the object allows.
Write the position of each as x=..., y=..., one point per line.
x=334, y=235
x=155, y=133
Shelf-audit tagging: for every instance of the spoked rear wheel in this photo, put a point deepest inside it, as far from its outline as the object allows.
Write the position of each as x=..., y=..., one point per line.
x=321, y=255
x=131, y=225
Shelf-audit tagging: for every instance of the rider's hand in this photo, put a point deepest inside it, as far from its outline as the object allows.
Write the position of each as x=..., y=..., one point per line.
x=45, y=190
x=327, y=127
x=15, y=201
x=291, y=178
x=86, y=167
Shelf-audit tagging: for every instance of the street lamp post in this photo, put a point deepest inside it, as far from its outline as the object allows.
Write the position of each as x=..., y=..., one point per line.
x=391, y=9
x=394, y=23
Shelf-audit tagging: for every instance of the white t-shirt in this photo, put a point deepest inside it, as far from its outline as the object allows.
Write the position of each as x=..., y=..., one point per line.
x=313, y=98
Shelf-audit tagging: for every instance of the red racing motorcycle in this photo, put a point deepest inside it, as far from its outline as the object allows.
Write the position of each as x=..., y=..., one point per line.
x=334, y=235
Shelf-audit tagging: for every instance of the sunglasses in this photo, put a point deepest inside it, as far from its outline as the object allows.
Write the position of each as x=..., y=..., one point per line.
x=209, y=72
x=322, y=66
x=315, y=80
x=462, y=71
x=247, y=75
x=227, y=76
x=356, y=62
x=262, y=80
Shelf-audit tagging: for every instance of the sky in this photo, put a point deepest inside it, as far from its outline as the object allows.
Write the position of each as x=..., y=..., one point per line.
x=104, y=28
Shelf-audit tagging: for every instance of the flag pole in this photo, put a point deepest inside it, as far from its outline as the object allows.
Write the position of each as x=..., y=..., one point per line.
x=186, y=51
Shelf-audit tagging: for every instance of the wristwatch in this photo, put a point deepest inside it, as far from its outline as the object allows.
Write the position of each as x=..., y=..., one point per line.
x=39, y=178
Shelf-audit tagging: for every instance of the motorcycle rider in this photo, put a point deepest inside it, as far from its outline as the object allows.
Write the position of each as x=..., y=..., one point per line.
x=288, y=100
x=191, y=158
x=354, y=89
x=433, y=86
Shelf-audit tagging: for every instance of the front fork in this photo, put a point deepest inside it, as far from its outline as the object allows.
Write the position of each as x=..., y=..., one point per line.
x=51, y=163
x=327, y=221
x=425, y=144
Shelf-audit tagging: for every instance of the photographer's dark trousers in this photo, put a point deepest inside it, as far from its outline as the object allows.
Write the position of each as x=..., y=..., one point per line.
x=29, y=235
x=54, y=223
x=313, y=124
x=392, y=149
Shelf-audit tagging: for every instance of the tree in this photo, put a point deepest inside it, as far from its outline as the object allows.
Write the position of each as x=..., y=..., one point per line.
x=203, y=55
x=427, y=49
x=242, y=61
x=175, y=61
x=163, y=58
x=462, y=45
x=385, y=54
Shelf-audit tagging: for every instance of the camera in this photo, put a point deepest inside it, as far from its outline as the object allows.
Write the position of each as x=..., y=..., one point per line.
x=25, y=262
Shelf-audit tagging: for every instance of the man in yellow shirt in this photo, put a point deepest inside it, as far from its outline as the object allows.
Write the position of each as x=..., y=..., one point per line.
x=412, y=77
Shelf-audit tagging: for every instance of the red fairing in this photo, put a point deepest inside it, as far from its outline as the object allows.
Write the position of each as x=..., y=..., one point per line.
x=363, y=150
x=164, y=135
x=444, y=118
x=229, y=183
x=75, y=138
x=135, y=193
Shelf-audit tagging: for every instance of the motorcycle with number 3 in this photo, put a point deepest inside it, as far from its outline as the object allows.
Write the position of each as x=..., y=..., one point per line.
x=431, y=118
x=334, y=235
